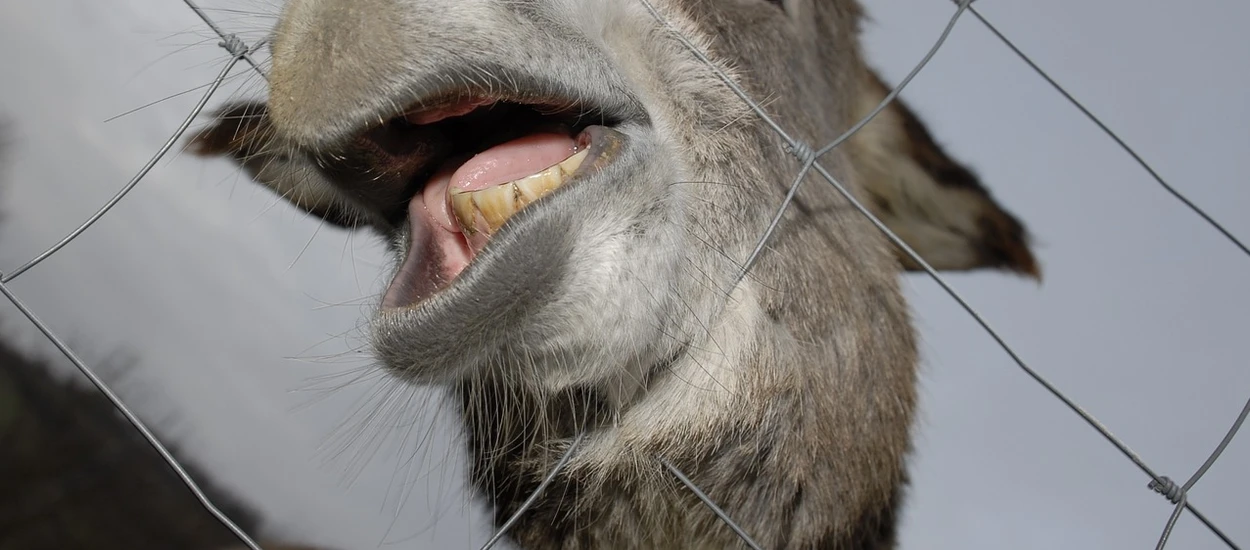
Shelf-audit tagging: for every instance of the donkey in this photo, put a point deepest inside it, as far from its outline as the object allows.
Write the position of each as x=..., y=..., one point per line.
x=570, y=195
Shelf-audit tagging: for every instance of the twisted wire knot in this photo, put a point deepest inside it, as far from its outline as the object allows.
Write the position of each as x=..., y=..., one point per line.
x=233, y=44
x=1168, y=488
x=802, y=151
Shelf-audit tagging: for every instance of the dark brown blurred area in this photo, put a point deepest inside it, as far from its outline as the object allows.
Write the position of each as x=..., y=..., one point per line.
x=75, y=475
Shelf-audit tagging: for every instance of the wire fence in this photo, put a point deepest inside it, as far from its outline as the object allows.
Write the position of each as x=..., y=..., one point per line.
x=809, y=161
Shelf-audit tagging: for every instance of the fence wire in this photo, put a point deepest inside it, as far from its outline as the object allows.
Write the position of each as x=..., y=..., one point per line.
x=809, y=159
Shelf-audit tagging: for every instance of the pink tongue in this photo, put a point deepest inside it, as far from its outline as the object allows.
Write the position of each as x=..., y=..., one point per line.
x=513, y=160
x=439, y=252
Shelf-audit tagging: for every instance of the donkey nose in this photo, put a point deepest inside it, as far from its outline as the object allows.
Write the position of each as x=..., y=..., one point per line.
x=337, y=64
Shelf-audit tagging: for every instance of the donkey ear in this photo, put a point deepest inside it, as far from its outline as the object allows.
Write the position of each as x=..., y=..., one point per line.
x=932, y=202
x=243, y=133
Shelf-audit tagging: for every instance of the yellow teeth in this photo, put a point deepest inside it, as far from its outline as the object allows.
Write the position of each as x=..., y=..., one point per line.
x=486, y=210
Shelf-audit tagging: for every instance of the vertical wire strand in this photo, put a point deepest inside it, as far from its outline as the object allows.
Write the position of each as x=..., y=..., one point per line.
x=1171, y=523
x=1219, y=449
x=807, y=157
x=1210, y=220
x=1183, y=491
x=808, y=165
x=525, y=506
x=1091, y=420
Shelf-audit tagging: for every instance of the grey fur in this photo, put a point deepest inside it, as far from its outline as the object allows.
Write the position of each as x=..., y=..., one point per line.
x=611, y=306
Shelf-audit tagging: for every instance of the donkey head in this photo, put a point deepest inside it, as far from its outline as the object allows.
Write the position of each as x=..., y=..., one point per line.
x=571, y=190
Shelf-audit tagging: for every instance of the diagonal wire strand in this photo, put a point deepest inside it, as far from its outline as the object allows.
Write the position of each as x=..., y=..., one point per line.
x=941, y=281
x=808, y=157
x=1089, y=418
x=238, y=51
x=229, y=39
x=525, y=506
x=1219, y=449
x=1162, y=487
x=1113, y=135
x=131, y=111
x=1180, y=494
x=125, y=190
x=134, y=420
x=810, y=161
x=707, y=501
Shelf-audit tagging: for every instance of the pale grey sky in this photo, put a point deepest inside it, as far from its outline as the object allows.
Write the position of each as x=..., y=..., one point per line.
x=238, y=308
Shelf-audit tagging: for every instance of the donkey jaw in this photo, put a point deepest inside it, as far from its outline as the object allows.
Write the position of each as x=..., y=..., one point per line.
x=453, y=219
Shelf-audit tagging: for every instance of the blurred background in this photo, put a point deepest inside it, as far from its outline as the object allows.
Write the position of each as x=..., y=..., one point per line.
x=231, y=322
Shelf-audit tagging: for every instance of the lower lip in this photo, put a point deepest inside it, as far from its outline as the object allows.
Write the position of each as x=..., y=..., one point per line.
x=440, y=238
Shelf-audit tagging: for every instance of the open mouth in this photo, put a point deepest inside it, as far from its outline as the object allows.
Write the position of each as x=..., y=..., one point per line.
x=492, y=160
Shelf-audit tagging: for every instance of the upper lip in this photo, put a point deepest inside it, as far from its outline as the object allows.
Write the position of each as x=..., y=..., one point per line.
x=383, y=165
x=386, y=167
x=496, y=84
